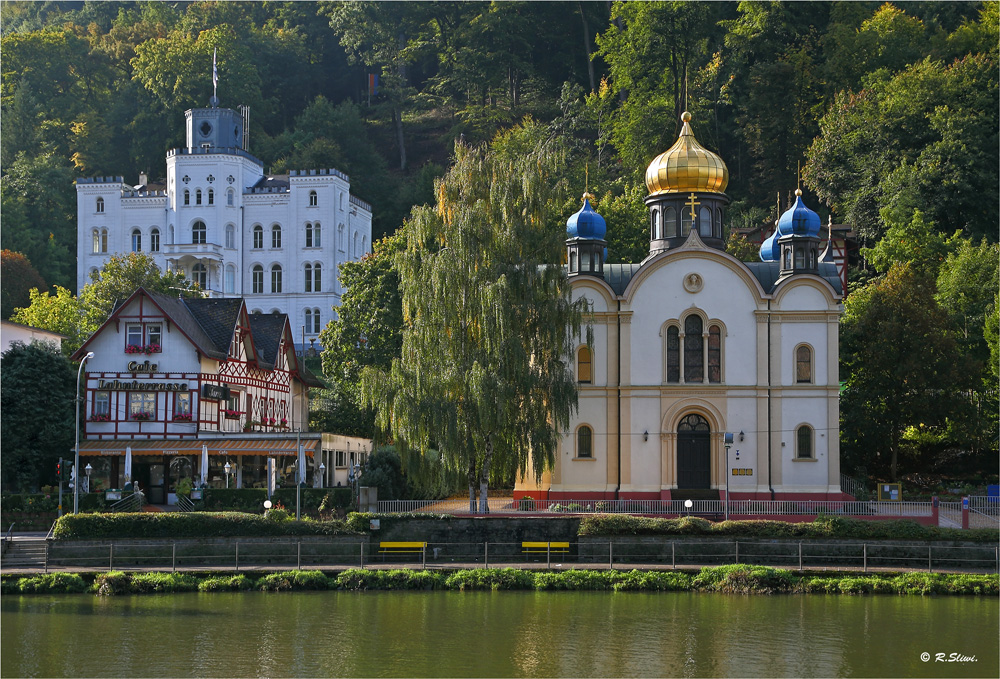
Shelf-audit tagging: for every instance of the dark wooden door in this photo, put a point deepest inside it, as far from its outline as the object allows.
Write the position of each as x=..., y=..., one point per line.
x=694, y=469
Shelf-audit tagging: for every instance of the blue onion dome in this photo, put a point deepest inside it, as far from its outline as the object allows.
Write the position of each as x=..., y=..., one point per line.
x=769, y=248
x=799, y=220
x=586, y=223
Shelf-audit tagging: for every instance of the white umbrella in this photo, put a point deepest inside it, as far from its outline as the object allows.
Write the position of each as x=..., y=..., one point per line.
x=301, y=466
x=204, y=464
x=128, y=464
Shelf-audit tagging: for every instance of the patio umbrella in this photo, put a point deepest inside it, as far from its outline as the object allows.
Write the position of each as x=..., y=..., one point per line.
x=128, y=464
x=300, y=468
x=204, y=464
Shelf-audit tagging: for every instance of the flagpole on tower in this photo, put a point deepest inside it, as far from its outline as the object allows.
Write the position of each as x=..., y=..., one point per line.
x=215, y=77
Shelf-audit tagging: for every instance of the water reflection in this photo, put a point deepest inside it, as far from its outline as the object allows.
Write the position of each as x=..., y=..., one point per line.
x=495, y=634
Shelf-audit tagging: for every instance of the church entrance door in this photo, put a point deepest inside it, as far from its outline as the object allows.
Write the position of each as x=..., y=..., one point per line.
x=693, y=453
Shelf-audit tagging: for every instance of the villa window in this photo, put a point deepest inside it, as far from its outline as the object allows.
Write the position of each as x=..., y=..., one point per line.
x=100, y=204
x=211, y=197
x=230, y=236
x=104, y=240
x=584, y=368
x=258, y=279
x=97, y=241
x=340, y=459
x=317, y=277
x=804, y=442
x=258, y=237
x=276, y=278
x=230, y=197
x=197, y=197
x=154, y=240
x=276, y=236
x=584, y=442
x=136, y=240
x=313, y=199
x=199, y=233
x=316, y=322
x=199, y=275
x=187, y=197
x=803, y=365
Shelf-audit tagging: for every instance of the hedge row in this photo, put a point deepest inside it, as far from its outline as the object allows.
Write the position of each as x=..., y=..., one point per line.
x=825, y=527
x=187, y=525
x=733, y=579
x=49, y=502
x=252, y=499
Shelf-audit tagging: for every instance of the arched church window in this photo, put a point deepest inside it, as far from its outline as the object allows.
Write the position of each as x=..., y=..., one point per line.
x=585, y=442
x=584, y=368
x=136, y=240
x=100, y=204
x=364, y=245
x=199, y=233
x=673, y=354
x=812, y=258
x=705, y=223
x=804, y=442
x=694, y=349
x=714, y=353
x=154, y=240
x=693, y=422
x=670, y=223
x=800, y=257
x=717, y=224
x=572, y=260
x=803, y=364
x=654, y=225
x=685, y=222
x=788, y=258
x=354, y=249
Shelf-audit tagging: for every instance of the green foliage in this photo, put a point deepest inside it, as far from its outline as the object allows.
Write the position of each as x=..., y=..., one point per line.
x=226, y=583
x=59, y=313
x=384, y=471
x=915, y=241
x=37, y=395
x=186, y=525
x=51, y=583
x=360, y=579
x=293, y=580
x=252, y=499
x=744, y=579
x=494, y=579
x=17, y=278
x=150, y=583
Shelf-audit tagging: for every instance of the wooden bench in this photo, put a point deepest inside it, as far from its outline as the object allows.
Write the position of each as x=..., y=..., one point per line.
x=545, y=547
x=402, y=547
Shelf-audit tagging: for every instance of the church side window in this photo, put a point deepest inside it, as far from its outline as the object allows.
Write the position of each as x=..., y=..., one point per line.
x=276, y=278
x=258, y=279
x=673, y=354
x=154, y=240
x=258, y=237
x=198, y=233
x=686, y=222
x=211, y=197
x=717, y=224
x=705, y=223
x=693, y=349
x=670, y=223
x=584, y=367
x=230, y=236
x=136, y=240
x=199, y=274
x=654, y=226
x=804, y=442
x=100, y=204
x=800, y=257
x=803, y=365
x=585, y=442
x=572, y=261
x=276, y=236
x=714, y=353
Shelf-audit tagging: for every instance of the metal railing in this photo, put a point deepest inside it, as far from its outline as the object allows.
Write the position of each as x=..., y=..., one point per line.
x=9, y=537
x=129, y=503
x=643, y=554
x=185, y=504
x=670, y=507
x=853, y=487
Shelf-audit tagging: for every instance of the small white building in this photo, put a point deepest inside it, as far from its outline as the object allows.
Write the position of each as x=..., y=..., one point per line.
x=16, y=332
x=692, y=343
x=276, y=241
x=173, y=379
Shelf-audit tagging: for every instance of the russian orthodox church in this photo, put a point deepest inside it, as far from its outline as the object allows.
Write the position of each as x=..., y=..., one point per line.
x=274, y=240
x=692, y=343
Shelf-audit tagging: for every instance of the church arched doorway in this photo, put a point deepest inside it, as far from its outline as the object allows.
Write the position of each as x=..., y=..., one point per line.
x=694, y=463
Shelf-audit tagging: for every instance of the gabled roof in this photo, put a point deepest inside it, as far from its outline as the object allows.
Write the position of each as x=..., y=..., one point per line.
x=266, y=330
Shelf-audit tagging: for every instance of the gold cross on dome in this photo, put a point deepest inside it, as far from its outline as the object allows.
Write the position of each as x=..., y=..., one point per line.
x=692, y=205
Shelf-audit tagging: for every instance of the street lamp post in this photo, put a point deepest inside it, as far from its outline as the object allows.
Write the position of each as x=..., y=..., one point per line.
x=728, y=441
x=228, y=469
x=76, y=457
x=89, y=471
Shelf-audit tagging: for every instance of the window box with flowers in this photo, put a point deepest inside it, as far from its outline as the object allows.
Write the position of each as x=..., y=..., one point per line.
x=142, y=417
x=232, y=414
x=182, y=417
x=142, y=349
x=100, y=418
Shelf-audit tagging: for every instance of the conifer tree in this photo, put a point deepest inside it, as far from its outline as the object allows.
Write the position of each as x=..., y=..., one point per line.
x=488, y=321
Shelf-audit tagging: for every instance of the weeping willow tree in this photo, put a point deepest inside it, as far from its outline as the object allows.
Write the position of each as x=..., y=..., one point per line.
x=488, y=321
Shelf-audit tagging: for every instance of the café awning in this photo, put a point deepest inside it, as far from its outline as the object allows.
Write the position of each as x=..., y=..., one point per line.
x=256, y=446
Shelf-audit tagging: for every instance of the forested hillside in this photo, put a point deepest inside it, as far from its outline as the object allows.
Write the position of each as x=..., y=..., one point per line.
x=891, y=111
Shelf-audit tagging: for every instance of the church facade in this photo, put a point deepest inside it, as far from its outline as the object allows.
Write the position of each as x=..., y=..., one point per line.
x=691, y=343
x=275, y=241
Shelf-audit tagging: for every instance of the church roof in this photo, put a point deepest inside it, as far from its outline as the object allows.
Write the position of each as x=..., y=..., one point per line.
x=686, y=166
x=766, y=273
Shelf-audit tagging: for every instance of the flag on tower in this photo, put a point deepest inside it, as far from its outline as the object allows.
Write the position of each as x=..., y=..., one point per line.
x=215, y=71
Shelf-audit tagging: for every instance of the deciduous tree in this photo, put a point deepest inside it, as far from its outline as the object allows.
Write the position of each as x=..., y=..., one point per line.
x=17, y=278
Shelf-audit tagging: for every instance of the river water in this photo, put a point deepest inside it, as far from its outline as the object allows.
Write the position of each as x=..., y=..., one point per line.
x=496, y=634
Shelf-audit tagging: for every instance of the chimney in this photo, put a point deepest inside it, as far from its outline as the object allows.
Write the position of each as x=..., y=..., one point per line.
x=143, y=180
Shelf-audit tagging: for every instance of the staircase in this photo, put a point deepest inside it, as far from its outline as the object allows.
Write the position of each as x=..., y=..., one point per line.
x=24, y=553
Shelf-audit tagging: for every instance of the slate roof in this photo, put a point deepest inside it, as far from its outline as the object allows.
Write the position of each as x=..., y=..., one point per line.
x=179, y=312
x=266, y=331
x=279, y=181
x=218, y=318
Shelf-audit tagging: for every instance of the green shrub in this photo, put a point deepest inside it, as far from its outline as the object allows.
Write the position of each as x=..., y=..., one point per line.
x=276, y=514
x=645, y=581
x=52, y=583
x=297, y=580
x=112, y=583
x=491, y=579
x=144, y=583
x=186, y=525
x=526, y=504
x=359, y=579
x=744, y=579
x=226, y=583
x=573, y=580
x=360, y=522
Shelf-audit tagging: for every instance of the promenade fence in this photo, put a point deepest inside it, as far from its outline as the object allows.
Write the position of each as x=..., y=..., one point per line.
x=597, y=552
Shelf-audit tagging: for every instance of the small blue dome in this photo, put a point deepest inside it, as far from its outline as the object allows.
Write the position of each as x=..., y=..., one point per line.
x=769, y=249
x=799, y=220
x=586, y=223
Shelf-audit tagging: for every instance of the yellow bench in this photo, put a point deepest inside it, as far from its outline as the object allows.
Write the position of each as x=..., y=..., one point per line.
x=402, y=547
x=545, y=547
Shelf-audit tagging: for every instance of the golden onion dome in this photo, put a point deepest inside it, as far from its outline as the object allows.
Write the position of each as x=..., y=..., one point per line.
x=686, y=166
